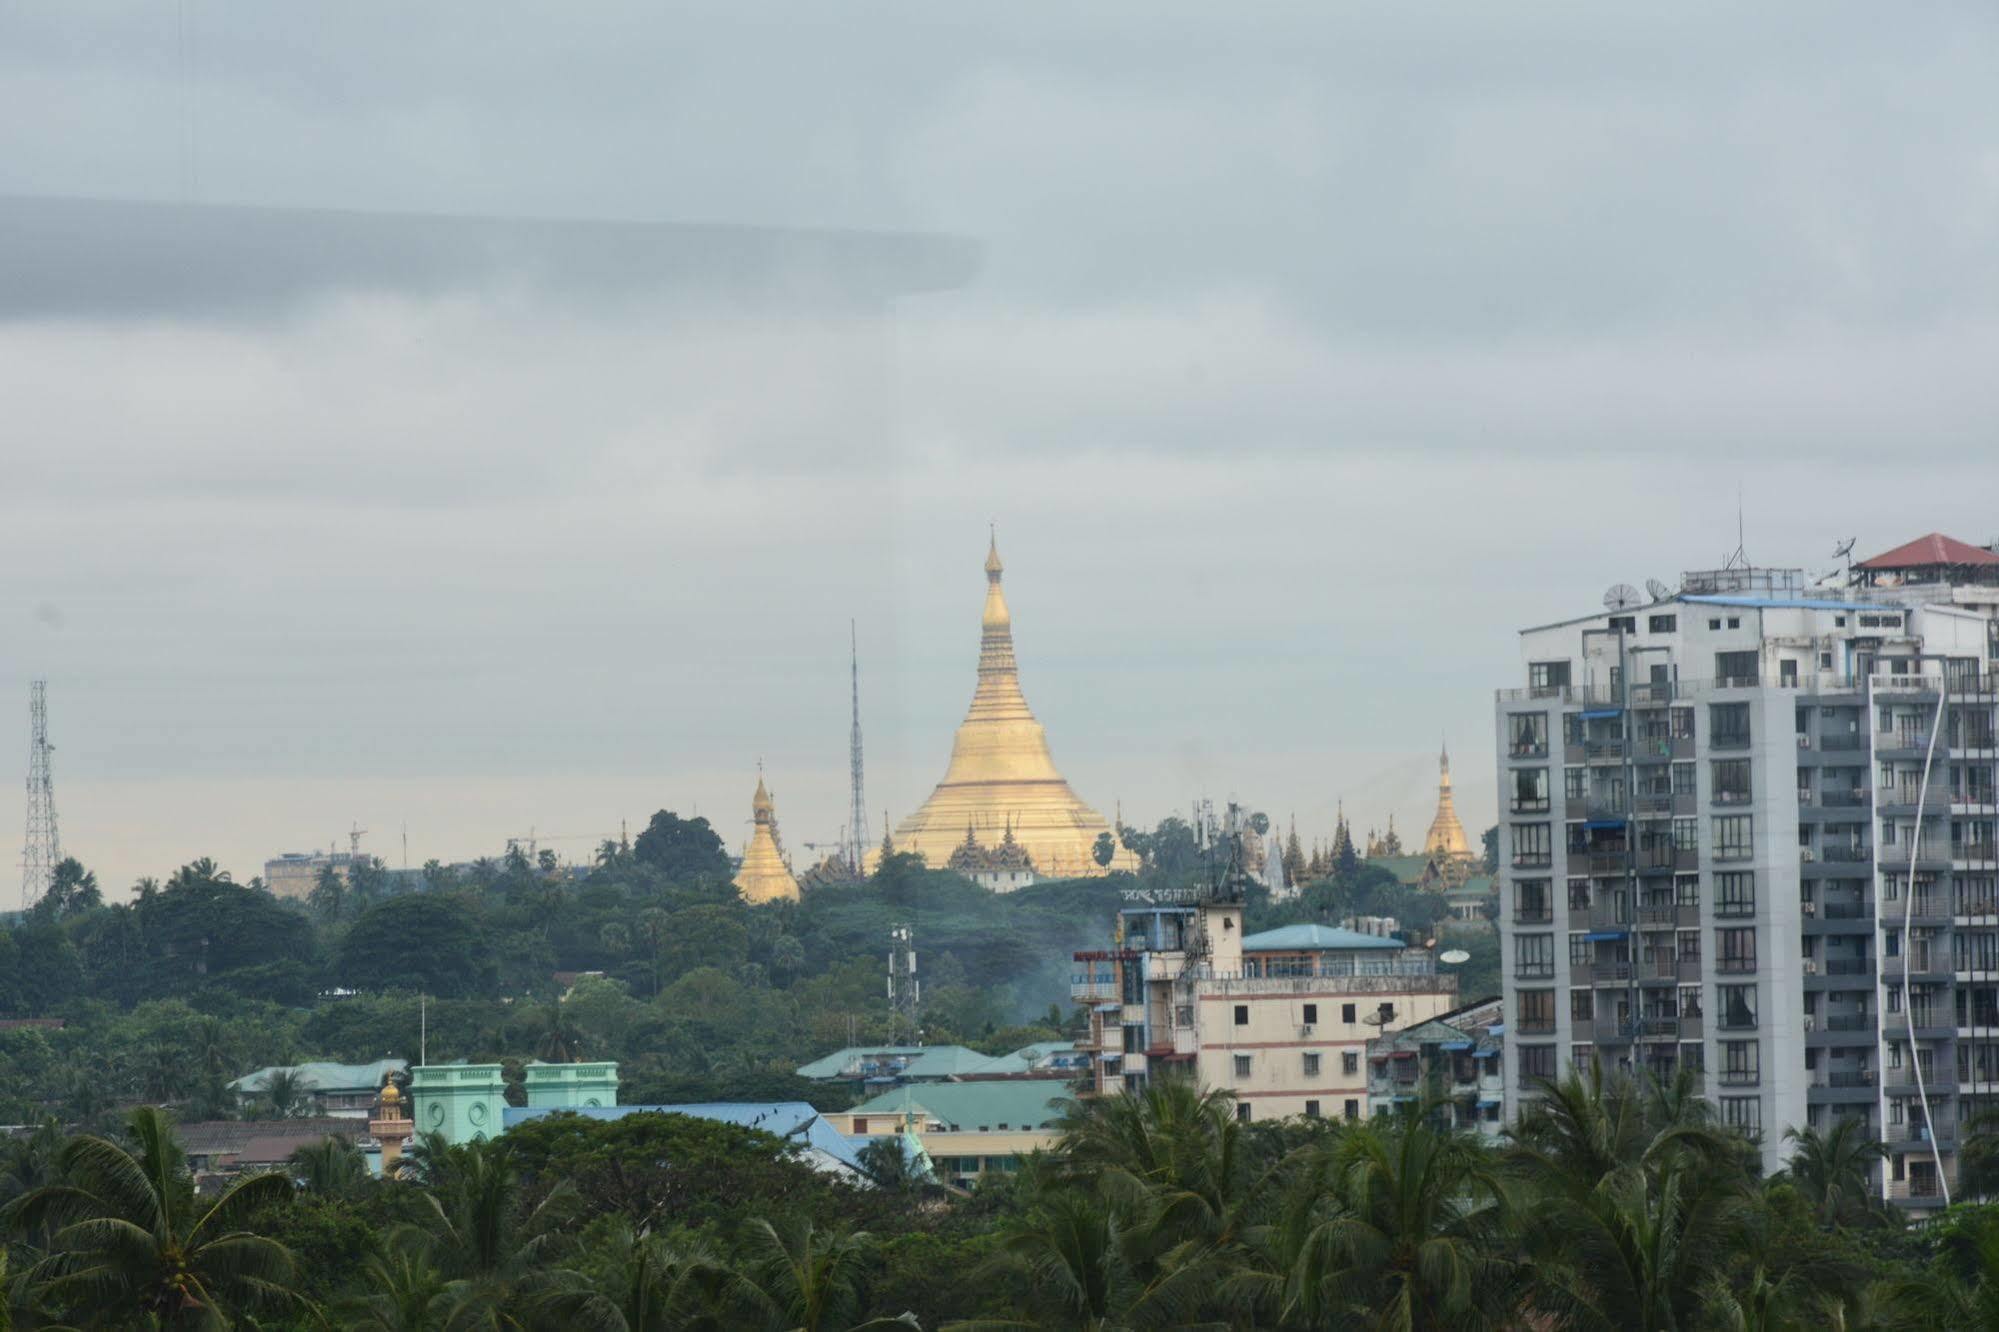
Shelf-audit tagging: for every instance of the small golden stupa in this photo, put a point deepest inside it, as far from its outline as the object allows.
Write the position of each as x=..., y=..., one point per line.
x=392, y=1127
x=764, y=876
x=1001, y=775
x=1447, y=835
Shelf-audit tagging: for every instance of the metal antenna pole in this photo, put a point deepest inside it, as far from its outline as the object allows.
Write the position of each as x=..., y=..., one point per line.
x=857, y=819
x=42, y=849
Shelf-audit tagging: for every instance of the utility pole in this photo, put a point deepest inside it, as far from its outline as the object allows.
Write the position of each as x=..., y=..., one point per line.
x=42, y=849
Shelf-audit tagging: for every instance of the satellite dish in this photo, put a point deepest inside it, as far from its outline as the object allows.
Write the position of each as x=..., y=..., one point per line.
x=1658, y=589
x=1375, y=1019
x=1621, y=597
x=1455, y=956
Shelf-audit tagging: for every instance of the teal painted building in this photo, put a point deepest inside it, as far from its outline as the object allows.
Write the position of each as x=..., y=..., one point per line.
x=571, y=1086
x=461, y=1102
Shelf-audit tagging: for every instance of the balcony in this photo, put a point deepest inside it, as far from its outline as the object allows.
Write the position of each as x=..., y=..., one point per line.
x=1855, y=798
x=1846, y=966
x=1092, y=989
x=1599, y=750
x=1976, y=852
x=1846, y=910
x=1610, y=916
x=1847, y=855
x=1842, y=742
x=1603, y=972
x=1914, y=1191
x=1528, y=749
x=1849, y=1022
x=1532, y=860
x=1846, y=1078
x=1607, y=809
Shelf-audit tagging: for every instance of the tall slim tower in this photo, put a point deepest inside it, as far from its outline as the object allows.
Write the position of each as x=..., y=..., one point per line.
x=43, y=848
x=905, y=993
x=857, y=816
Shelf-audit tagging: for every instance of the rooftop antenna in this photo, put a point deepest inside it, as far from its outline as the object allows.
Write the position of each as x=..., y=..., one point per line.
x=1739, y=560
x=1843, y=550
x=857, y=817
x=904, y=990
x=41, y=852
x=354, y=832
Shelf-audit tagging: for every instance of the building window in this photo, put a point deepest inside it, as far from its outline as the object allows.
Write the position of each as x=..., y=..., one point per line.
x=1536, y=1062
x=1737, y=1007
x=1352, y=1110
x=1536, y=1012
x=1690, y=1001
x=1579, y=947
x=1735, y=668
x=1582, y=1006
x=1311, y=1015
x=1731, y=781
x=1242, y=1066
x=1242, y=1015
x=1183, y=1016
x=1575, y=784
x=1743, y=1114
x=1311, y=1062
x=1242, y=1112
x=1687, y=890
x=1534, y=956
x=860, y=1125
x=1527, y=734
x=1735, y=951
x=1346, y=1014
x=1728, y=725
x=1683, y=779
x=1547, y=677
x=1530, y=791
x=1350, y=1062
x=1734, y=836
x=1311, y=1109
x=1740, y=1063
x=1735, y=893
x=1686, y=835
x=1530, y=902
x=1531, y=845
x=1662, y=624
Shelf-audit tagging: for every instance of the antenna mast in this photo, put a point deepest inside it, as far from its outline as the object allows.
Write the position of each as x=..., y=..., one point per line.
x=904, y=990
x=42, y=850
x=857, y=818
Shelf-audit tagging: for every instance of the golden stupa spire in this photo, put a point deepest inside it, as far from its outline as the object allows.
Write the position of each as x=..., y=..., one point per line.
x=1446, y=836
x=764, y=877
x=1001, y=772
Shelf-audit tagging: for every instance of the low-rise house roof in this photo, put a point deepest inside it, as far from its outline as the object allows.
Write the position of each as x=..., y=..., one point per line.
x=1311, y=938
x=1929, y=551
x=973, y=1106
x=324, y=1076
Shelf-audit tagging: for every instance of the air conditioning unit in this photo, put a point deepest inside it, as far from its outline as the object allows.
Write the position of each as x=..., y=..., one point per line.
x=1811, y=967
x=1804, y=742
x=1807, y=854
x=1810, y=908
x=1811, y=1023
x=1304, y=1031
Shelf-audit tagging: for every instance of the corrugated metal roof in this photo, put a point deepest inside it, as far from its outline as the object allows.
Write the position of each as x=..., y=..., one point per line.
x=1309, y=938
x=794, y=1121
x=324, y=1076
x=970, y=1106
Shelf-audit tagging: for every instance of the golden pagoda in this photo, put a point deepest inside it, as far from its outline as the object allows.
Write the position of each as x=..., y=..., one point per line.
x=1447, y=835
x=1001, y=775
x=764, y=876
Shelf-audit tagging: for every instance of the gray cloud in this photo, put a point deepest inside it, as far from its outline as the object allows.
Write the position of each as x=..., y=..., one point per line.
x=1277, y=350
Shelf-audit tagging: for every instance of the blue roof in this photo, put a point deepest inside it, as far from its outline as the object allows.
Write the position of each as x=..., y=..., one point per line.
x=1775, y=603
x=325, y=1076
x=794, y=1121
x=1313, y=938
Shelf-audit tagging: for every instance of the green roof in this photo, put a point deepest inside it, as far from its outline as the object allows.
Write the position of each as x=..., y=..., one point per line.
x=908, y=1061
x=324, y=1076
x=1023, y=1060
x=975, y=1106
x=1313, y=938
x=1407, y=869
x=1476, y=885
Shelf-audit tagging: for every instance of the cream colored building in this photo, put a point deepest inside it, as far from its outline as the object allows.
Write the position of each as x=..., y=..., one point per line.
x=967, y=1129
x=1281, y=1019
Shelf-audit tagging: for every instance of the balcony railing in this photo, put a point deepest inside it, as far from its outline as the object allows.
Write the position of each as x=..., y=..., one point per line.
x=1852, y=799
x=1848, y=1078
x=1527, y=805
x=1845, y=911
x=1914, y=1190
x=1611, y=971
x=1534, y=915
x=1735, y=966
x=1849, y=1022
x=1531, y=859
x=1847, y=966
x=1728, y=740
x=1842, y=742
x=1847, y=855
x=1739, y=1077
x=1528, y=749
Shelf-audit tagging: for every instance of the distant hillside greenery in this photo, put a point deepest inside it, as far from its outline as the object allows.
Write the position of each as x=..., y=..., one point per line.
x=197, y=979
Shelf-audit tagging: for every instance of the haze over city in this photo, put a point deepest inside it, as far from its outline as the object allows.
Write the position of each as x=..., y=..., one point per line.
x=1297, y=373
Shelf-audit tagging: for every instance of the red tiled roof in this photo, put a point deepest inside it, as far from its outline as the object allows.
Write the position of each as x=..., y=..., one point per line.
x=1934, y=549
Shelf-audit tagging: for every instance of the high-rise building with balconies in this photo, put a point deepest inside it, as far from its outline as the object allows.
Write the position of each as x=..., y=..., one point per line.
x=1747, y=829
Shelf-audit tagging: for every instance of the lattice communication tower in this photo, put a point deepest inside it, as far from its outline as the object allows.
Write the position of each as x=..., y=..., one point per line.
x=42, y=850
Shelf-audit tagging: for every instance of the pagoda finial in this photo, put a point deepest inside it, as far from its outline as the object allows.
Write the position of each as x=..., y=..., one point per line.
x=993, y=566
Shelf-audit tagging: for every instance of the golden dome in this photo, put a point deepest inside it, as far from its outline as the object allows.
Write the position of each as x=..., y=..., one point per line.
x=764, y=877
x=1001, y=773
x=1446, y=836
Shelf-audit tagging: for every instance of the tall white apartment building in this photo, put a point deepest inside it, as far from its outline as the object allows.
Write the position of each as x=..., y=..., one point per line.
x=1747, y=828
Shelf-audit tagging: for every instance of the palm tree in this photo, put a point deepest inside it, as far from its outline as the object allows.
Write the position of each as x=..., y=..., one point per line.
x=1094, y=1264
x=497, y=1258
x=650, y=1287
x=400, y=1291
x=1833, y=1172
x=286, y=1094
x=1396, y=1224
x=558, y=1040
x=330, y=1168
x=129, y=1241
x=1961, y=1288
x=803, y=1280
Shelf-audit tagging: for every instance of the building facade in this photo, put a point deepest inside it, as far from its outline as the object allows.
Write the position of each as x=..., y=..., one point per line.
x=1281, y=1019
x=1454, y=1062
x=1720, y=851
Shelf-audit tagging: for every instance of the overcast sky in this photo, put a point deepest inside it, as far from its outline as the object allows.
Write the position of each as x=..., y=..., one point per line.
x=1301, y=355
